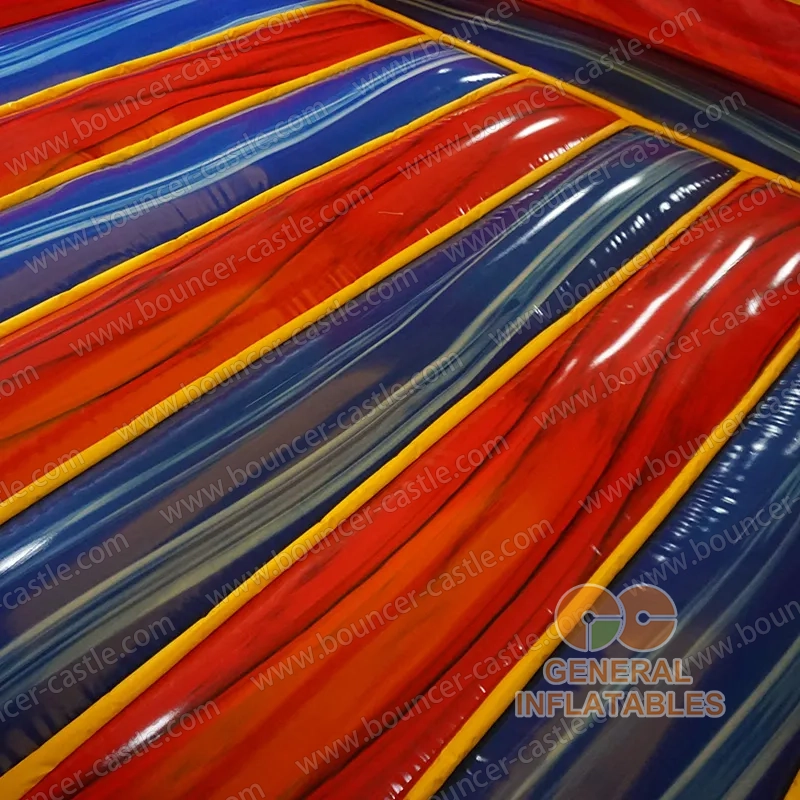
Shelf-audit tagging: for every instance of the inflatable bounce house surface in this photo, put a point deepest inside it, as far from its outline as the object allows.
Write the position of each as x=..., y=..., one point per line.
x=399, y=399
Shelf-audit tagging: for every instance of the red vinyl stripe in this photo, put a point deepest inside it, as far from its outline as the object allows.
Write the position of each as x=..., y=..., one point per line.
x=15, y=12
x=754, y=41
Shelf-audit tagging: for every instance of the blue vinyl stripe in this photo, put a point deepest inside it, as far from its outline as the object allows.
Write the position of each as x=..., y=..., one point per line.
x=448, y=321
x=750, y=124
x=75, y=43
x=727, y=561
x=88, y=225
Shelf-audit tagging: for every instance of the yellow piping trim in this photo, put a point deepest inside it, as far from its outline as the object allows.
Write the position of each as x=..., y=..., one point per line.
x=588, y=97
x=794, y=789
x=164, y=409
x=59, y=301
x=30, y=771
x=127, y=67
x=223, y=112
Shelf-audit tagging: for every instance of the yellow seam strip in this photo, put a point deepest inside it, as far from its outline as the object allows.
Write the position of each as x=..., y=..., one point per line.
x=588, y=97
x=29, y=771
x=164, y=409
x=519, y=676
x=128, y=152
x=127, y=67
x=85, y=288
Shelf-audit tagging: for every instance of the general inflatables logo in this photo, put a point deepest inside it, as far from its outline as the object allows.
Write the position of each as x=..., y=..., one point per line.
x=642, y=618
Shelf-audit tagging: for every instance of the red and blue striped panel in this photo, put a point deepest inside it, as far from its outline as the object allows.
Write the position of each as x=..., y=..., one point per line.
x=331, y=361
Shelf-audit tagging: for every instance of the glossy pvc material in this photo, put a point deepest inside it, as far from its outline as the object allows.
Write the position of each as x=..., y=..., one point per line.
x=722, y=555
x=55, y=241
x=756, y=41
x=437, y=532
x=95, y=120
x=50, y=51
x=736, y=118
x=364, y=383
x=104, y=360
